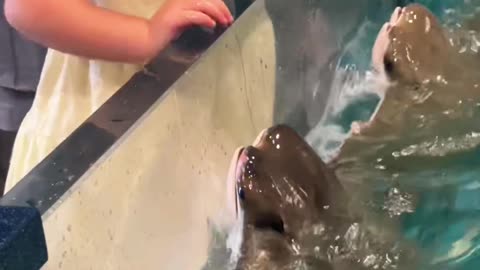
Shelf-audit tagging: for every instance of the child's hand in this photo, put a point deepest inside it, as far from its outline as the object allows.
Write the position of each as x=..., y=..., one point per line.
x=176, y=15
x=98, y=33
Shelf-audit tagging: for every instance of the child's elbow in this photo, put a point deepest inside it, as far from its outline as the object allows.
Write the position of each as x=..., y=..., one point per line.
x=20, y=13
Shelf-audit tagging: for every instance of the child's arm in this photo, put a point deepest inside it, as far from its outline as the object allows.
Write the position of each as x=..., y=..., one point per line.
x=81, y=28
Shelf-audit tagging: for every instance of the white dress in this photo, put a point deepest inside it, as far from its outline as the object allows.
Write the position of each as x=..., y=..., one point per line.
x=71, y=88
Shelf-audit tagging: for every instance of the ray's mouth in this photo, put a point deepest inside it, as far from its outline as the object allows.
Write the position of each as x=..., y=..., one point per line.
x=396, y=17
x=232, y=180
x=237, y=168
x=237, y=172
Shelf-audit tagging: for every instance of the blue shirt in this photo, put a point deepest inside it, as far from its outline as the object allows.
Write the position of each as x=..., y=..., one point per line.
x=21, y=63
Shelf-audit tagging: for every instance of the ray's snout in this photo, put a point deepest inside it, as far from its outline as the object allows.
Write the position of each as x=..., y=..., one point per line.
x=246, y=163
x=275, y=137
x=270, y=142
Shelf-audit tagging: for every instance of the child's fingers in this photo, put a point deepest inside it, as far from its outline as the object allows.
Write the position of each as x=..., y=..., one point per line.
x=199, y=18
x=223, y=8
x=212, y=10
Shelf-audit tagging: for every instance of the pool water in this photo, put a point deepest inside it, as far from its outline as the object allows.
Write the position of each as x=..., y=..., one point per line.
x=437, y=209
x=444, y=218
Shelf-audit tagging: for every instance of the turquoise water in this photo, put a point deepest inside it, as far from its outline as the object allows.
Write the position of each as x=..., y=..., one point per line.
x=446, y=221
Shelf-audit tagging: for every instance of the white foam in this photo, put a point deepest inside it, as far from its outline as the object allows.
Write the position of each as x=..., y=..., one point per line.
x=348, y=86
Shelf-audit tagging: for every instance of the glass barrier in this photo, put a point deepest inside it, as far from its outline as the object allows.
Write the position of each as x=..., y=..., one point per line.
x=149, y=197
